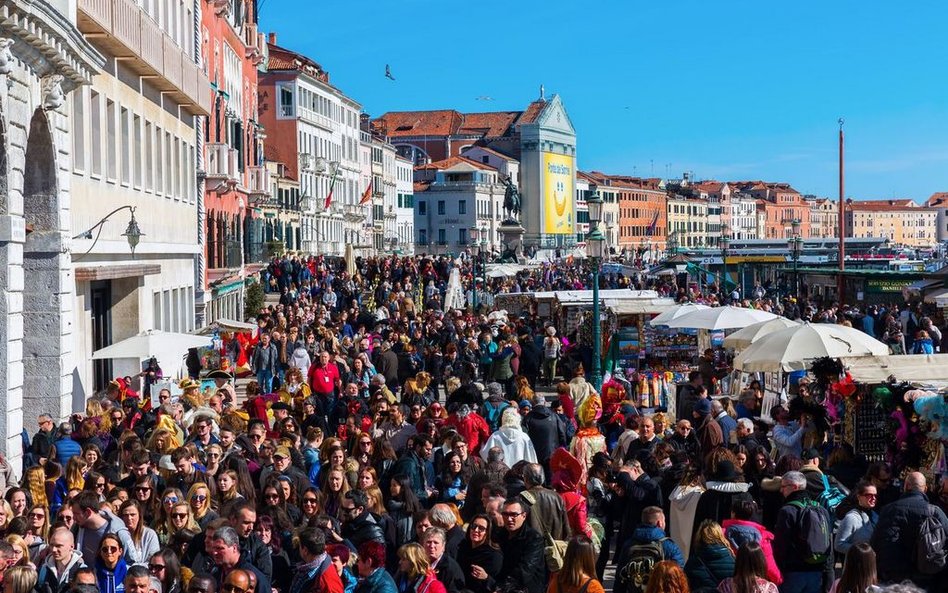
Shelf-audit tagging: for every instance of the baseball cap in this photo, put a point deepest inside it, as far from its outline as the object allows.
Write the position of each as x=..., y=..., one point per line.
x=282, y=452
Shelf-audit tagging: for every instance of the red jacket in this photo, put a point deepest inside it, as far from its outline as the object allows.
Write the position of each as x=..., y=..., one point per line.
x=329, y=582
x=472, y=427
x=430, y=584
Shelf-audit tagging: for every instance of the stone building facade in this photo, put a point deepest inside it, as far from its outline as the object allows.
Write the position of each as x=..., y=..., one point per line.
x=43, y=58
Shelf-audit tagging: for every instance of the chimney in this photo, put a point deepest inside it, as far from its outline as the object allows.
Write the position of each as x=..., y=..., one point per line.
x=272, y=38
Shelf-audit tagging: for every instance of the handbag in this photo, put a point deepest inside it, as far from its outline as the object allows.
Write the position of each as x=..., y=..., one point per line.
x=554, y=553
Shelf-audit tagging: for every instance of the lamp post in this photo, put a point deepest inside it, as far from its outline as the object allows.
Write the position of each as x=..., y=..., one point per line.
x=796, y=248
x=595, y=249
x=724, y=242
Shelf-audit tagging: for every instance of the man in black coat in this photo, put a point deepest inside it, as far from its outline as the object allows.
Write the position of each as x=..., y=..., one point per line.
x=522, y=546
x=895, y=536
x=359, y=525
x=546, y=430
x=635, y=490
x=387, y=365
x=530, y=359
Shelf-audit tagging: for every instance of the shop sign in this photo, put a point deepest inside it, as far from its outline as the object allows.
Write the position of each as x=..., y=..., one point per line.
x=877, y=285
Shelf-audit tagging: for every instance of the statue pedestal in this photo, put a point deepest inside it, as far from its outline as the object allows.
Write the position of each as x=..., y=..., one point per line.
x=511, y=234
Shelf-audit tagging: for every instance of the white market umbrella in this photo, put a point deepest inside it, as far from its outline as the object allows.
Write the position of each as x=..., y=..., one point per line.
x=745, y=337
x=150, y=343
x=350, y=260
x=227, y=325
x=721, y=318
x=793, y=348
x=676, y=312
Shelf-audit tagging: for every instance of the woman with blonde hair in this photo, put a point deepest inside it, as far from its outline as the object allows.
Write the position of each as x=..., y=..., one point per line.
x=34, y=480
x=214, y=454
x=74, y=478
x=579, y=569
x=21, y=551
x=199, y=497
x=144, y=538
x=711, y=560
x=522, y=386
x=19, y=579
x=179, y=519
x=415, y=574
x=667, y=577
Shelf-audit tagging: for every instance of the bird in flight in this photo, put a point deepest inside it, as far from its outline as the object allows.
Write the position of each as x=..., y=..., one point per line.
x=388, y=72
x=484, y=98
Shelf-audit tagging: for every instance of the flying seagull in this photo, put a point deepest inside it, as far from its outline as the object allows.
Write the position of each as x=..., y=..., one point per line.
x=388, y=72
x=484, y=98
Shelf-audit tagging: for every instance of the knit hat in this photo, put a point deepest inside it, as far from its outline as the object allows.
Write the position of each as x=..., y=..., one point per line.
x=703, y=407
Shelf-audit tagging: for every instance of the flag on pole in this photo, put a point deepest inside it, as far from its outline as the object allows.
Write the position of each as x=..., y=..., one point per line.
x=332, y=186
x=366, y=195
x=650, y=231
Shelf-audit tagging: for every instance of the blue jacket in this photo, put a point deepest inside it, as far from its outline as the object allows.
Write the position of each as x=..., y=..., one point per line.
x=66, y=449
x=644, y=534
x=377, y=582
x=111, y=581
x=728, y=426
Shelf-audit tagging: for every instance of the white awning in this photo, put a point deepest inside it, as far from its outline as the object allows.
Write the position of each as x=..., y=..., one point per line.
x=640, y=306
x=927, y=369
x=939, y=297
x=578, y=297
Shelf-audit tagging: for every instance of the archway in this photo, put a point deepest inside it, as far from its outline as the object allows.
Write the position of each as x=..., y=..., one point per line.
x=46, y=267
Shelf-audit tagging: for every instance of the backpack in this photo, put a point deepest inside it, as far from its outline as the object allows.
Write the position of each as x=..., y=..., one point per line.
x=642, y=559
x=493, y=414
x=814, y=535
x=741, y=534
x=831, y=497
x=931, y=555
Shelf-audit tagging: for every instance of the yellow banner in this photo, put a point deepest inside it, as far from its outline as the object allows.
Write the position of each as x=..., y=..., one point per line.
x=558, y=180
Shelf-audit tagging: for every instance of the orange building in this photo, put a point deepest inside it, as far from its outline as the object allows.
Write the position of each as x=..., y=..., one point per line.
x=780, y=205
x=235, y=175
x=642, y=210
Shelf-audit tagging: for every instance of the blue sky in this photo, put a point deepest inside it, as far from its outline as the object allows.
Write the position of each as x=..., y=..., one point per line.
x=727, y=90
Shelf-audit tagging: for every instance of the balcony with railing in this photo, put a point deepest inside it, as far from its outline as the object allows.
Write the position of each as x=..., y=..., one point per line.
x=222, y=162
x=258, y=181
x=353, y=212
x=130, y=34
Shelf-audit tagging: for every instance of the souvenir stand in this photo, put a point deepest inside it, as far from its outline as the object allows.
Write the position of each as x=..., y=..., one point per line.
x=624, y=316
x=228, y=350
x=893, y=410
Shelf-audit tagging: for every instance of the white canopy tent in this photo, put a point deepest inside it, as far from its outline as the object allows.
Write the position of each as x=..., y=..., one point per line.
x=721, y=318
x=793, y=348
x=927, y=369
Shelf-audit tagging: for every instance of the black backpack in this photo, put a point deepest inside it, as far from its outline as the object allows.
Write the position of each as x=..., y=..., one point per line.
x=931, y=555
x=633, y=577
x=814, y=532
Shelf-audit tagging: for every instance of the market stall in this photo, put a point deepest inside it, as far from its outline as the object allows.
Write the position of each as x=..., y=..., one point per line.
x=894, y=410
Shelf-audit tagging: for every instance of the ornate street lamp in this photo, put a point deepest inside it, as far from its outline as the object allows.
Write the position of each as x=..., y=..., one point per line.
x=795, y=243
x=596, y=251
x=132, y=234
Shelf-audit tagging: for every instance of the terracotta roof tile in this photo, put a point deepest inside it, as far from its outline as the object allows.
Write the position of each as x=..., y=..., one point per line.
x=488, y=125
x=875, y=206
x=903, y=202
x=281, y=58
x=938, y=199
x=532, y=112
x=442, y=122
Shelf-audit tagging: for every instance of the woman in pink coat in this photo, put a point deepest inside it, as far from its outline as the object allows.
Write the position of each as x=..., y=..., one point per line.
x=740, y=528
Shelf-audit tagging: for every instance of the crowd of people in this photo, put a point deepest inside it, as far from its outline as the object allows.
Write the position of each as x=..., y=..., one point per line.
x=387, y=446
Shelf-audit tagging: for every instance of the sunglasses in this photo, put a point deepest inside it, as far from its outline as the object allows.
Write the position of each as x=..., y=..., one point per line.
x=272, y=495
x=142, y=489
x=100, y=484
x=170, y=499
x=309, y=501
x=109, y=549
x=478, y=527
x=233, y=588
x=510, y=514
x=156, y=567
x=116, y=418
x=199, y=497
x=38, y=515
x=179, y=515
